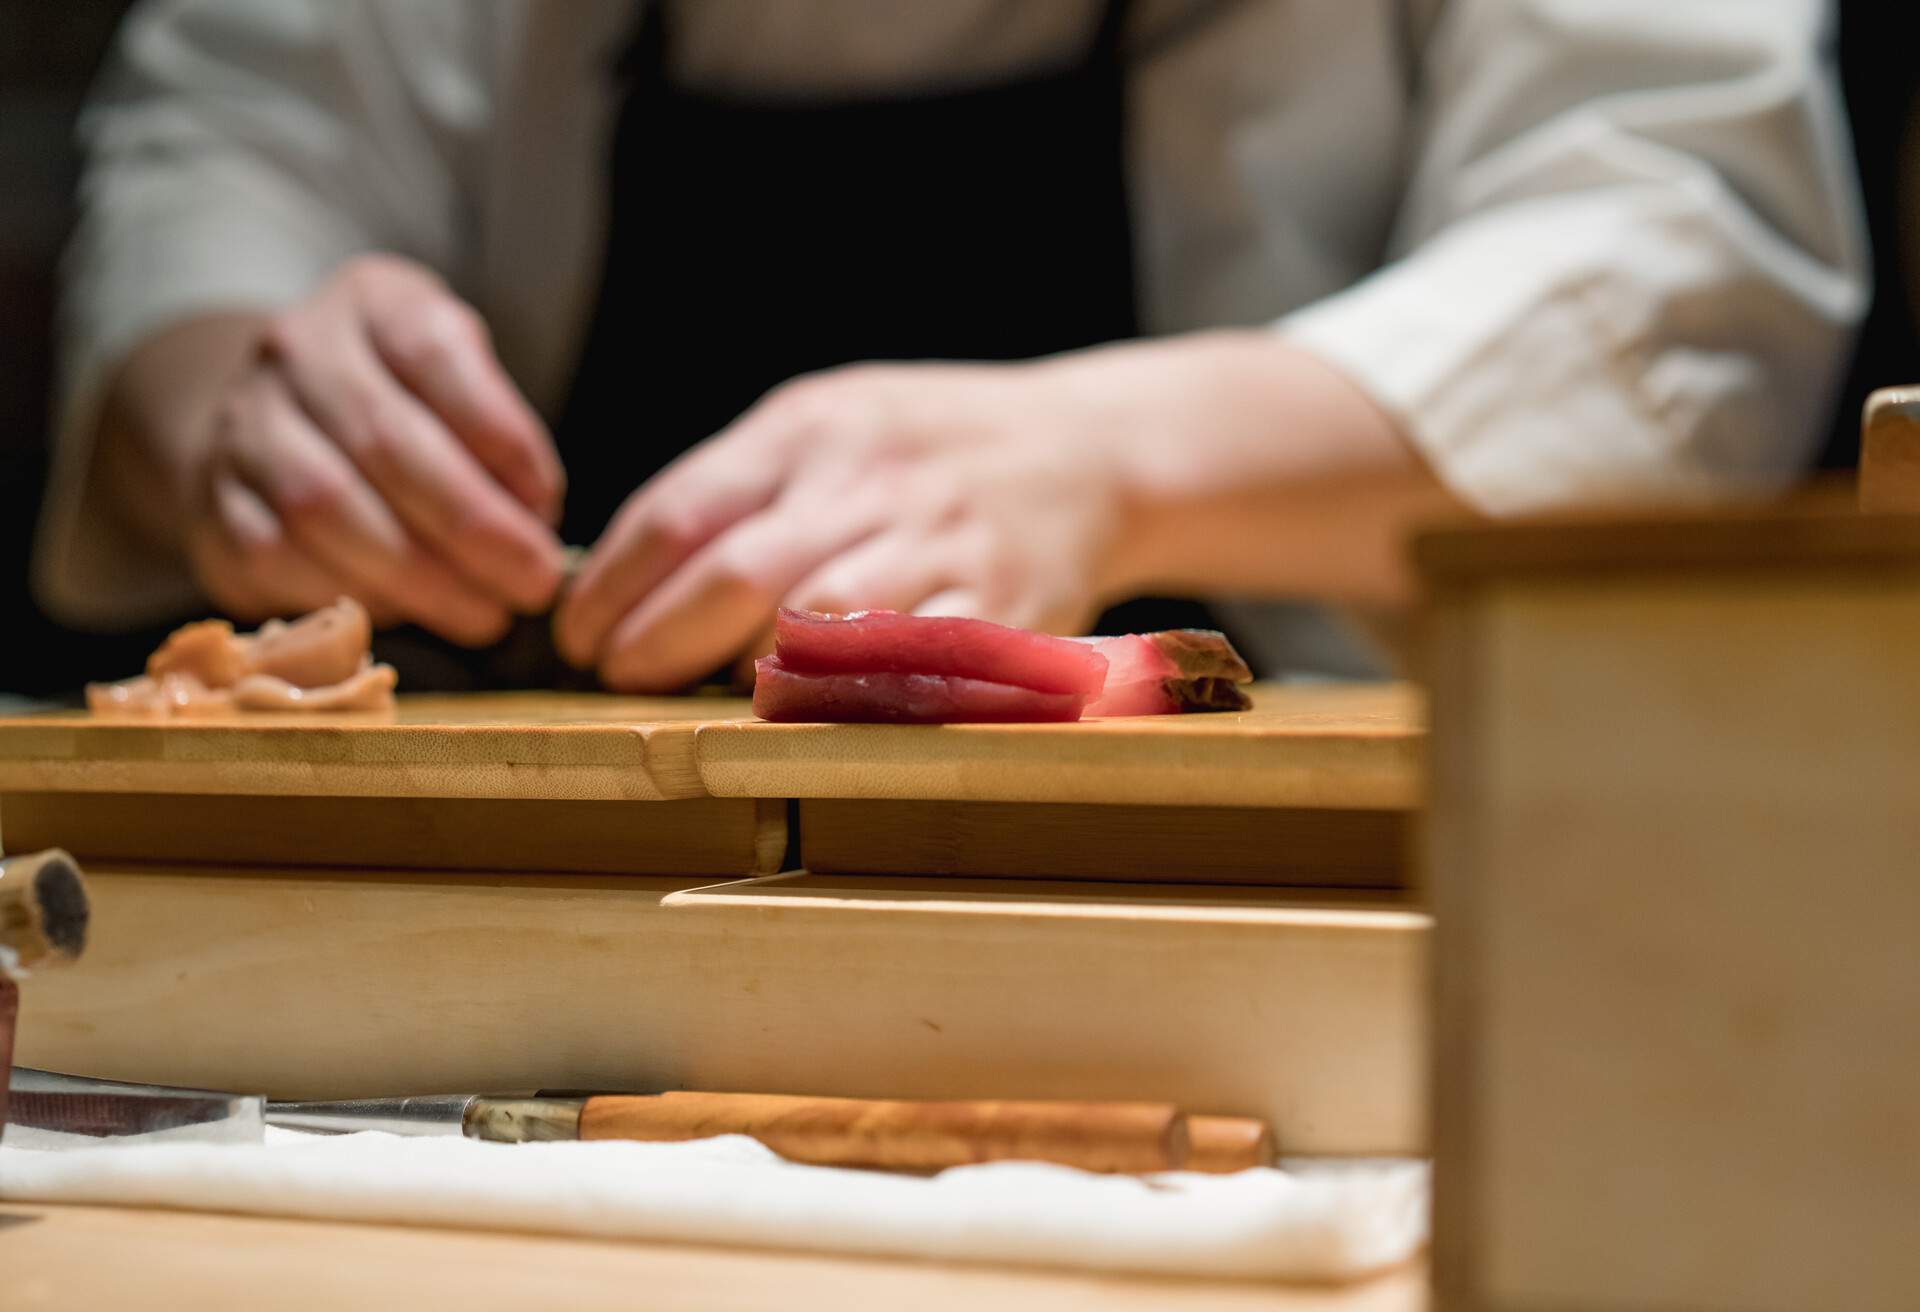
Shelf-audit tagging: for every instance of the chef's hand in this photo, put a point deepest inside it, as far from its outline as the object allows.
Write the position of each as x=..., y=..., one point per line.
x=951, y=489
x=372, y=446
x=1031, y=494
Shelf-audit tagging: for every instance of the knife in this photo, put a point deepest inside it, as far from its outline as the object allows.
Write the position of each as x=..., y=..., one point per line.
x=901, y=1135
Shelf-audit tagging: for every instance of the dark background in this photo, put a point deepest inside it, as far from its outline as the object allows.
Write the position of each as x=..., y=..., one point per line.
x=49, y=50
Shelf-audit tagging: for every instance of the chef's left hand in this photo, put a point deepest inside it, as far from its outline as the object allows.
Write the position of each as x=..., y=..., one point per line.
x=954, y=489
x=1032, y=494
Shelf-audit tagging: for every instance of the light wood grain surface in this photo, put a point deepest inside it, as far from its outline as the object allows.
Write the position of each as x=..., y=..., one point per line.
x=1319, y=746
x=59, y=1259
x=1310, y=745
x=1307, y=1010
x=1673, y=851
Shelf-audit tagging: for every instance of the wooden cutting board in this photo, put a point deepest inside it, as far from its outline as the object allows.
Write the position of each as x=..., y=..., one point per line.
x=556, y=746
x=1310, y=746
x=1315, y=745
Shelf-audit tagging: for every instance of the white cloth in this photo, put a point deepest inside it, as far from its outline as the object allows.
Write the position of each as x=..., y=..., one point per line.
x=1322, y=1221
x=1622, y=250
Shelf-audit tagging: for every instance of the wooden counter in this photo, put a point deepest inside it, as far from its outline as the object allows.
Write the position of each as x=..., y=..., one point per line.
x=57, y=1259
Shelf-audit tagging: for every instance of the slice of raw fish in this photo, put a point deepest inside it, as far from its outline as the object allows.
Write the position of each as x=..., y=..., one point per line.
x=368, y=689
x=319, y=662
x=208, y=652
x=326, y=647
x=1168, y=672
x=891, y=697
x=158, y=698
x=888, y=642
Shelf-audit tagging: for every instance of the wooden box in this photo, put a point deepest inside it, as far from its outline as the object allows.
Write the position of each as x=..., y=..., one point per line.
x=1674, y=850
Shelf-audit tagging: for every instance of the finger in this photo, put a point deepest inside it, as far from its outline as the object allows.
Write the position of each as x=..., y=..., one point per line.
x=440, y=349
x=269, y=566
x=647, y=655
x=969, y=603
x=961, y=603
x=711, y=608
x=890, y=571
x=659, y=529
x=245, y=561
x=740, y=678
x=331, y=513
x=719, y=484
x=436, y=487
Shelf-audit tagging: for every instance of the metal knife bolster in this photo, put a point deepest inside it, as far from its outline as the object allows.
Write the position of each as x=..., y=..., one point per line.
x=500, y=1119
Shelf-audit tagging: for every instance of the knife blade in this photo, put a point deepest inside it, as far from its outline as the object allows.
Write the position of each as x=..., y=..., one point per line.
x=50, y=1110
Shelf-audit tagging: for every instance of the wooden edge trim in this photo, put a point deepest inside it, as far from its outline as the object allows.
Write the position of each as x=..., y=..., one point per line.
x=1890, y=452
x=1818, y=528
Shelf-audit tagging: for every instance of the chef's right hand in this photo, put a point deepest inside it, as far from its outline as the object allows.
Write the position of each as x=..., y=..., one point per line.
x=374, y=447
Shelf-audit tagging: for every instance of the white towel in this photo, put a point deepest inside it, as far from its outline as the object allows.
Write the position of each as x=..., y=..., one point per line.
x=1310, y=1221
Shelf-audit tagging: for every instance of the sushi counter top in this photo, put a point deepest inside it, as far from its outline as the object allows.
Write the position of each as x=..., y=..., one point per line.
x=1300, y=746
x=580, y=891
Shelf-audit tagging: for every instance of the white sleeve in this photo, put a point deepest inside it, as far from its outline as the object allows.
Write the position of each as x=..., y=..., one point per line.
x=1630, y=258
x=236, y=152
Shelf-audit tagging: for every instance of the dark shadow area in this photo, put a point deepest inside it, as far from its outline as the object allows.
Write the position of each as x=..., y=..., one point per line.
x=1882, y=82
x=48, y=55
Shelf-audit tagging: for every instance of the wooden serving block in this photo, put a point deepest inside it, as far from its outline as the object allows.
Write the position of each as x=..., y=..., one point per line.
x=1301, y=1007
x=1310, y=788
x=1304, y=745
x=1319, y=745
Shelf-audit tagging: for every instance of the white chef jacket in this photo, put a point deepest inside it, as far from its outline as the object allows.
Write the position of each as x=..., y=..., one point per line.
x=1579, y=249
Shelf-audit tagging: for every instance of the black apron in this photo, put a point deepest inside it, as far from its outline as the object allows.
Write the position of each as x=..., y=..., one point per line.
x=753, y=240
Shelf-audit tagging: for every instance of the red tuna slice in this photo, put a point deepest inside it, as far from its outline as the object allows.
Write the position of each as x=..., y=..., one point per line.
x=1168, y=672
x=892, y=697
x=887, y=642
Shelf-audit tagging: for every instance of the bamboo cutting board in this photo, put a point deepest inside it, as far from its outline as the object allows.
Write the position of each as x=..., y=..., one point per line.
x=1326, y=746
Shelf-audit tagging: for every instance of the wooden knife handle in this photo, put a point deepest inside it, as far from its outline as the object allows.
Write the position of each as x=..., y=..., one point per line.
x=924, y=1136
